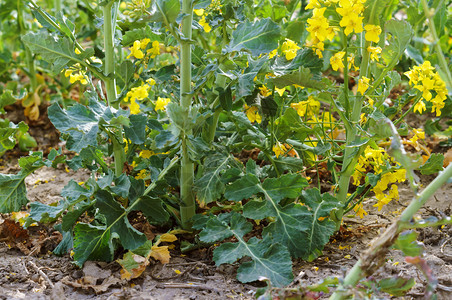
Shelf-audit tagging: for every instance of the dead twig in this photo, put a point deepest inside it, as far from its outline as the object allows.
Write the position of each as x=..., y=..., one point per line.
x=188, y=286
x=35, y=267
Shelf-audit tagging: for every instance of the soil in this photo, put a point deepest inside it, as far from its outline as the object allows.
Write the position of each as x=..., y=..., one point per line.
x=29, y=270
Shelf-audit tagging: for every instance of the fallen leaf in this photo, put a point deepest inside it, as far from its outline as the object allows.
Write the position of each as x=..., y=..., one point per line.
x=161, y=253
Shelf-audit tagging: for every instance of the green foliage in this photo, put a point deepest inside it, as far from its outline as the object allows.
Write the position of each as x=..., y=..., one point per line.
x=268, y=259
x=433, y=165
x=396, y=286
x=258, y=37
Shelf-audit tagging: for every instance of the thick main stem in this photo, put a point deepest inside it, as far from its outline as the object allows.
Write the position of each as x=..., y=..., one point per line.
x=28, y=55
x=187, y=209
x=110, y=81
x=373, y=258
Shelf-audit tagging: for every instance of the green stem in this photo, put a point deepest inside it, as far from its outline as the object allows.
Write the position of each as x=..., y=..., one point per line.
x=187, y=209
x=57, y=5
x=110, y=81
x=28, y=55
x=373, y=258
x=418, y=98
x=442, y=60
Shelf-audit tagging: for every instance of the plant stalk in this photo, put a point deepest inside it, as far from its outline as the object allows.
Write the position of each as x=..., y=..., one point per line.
x=187, y=209
x=28, y=55
x=110, y=81
x=442, y=60
x=374, y=257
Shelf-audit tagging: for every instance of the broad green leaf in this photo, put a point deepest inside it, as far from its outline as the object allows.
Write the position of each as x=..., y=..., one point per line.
x=268, y=259
x=92, y=243
x=165, y=10
x=258, y=37
x=243, y=188
x=138, y=34
x=117, y=221
x=66, y=244
x=320, y=227
x=126, y=71
x=13, y=193
x=59, y=52
x=408, y=244
x=396, y=286
x=136, y=132
x=210, y=187
x=121, y=186
x=81, y=123
x=302, y=77
x=7, y=98
x=305, y=58
x=433, y=165
x=245, y=81
x=401, y=33
x=152, y=208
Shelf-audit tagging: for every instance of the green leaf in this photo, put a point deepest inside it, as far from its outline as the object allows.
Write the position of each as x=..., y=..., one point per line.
x=433, y=165
x=401, y=33
x=81, y=123
x=13, y=193
x=136, y=132
x=302, y=77
x=138, y=34
x=92, y=243
x=408, y=244
x=258, y=37
x=165, y=10
x=152, y=208
x=126, y=70
x=209, y=187
x=59, y=52
x=245, y=81
x=243, y=188
x=7, y=98
x=268, y=259
x=117, y=222
x=396, y=286
x=319, y=230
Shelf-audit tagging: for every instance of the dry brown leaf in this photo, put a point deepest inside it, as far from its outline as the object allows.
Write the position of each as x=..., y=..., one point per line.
x=447, y=158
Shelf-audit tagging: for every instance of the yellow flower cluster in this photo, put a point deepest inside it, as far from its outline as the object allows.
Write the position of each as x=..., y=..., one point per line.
x=426, y=80
x=308, y=107
x=284, y=149
x=76, y=74
x=161, y=103
x=214, y=5
x=138, y=46
x=319, y=27
x=252, y=113
x=138, y=93
x=289, y=48
x=376, y=159
x=363, y=85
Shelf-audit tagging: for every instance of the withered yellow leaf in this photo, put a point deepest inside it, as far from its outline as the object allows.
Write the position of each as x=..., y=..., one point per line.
x=161, y=253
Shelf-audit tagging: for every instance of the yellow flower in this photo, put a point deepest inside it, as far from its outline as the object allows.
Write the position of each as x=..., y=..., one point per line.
x=144, y=43
x=360, y=210
x=141, y=175
x=352, y=22
x=308, y=107
x=150, y=81
x=146, y=153
x=204, y=24
x=372, y=33
x=140, y=92
x=280, y=91
x=78, y=76
x=279, y=149
x=420, y=107
x=419, y=134
x=134, y=107
x=253, y=114
x=199, y=12
x=161, y=103
x=264, y=91
x=135, y=50
x=289, y=48
x=319, y=47
x=273, y=53
x=363, y=85
x=77, y=51
x=155, y=50
x=351, y=63
x=313, y=4
x=374, y=51
x=319, y=26
x=336, y=60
